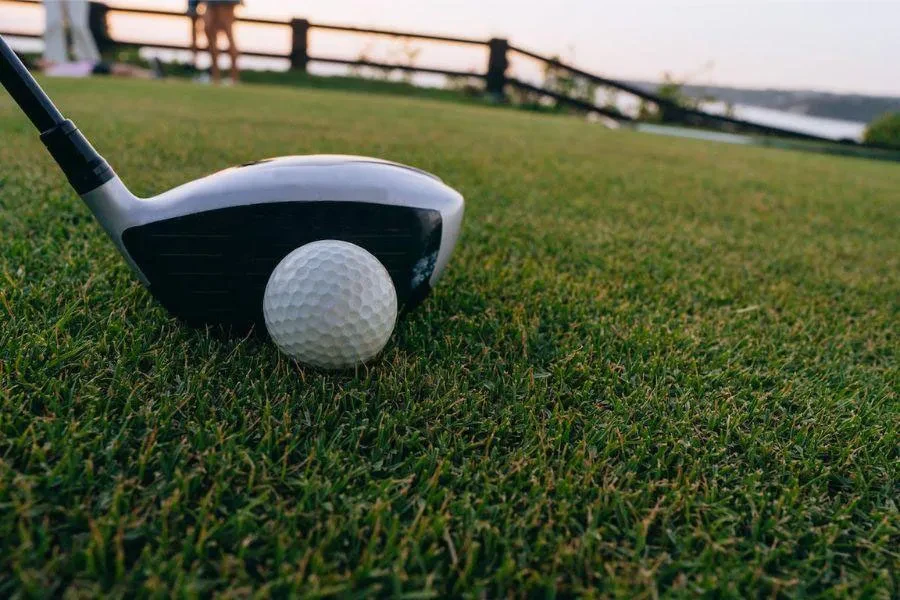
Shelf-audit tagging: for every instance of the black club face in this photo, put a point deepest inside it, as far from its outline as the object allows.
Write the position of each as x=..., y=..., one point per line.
x=211, y=268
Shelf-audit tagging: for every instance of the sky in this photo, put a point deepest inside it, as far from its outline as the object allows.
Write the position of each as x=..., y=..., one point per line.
x=846, y=45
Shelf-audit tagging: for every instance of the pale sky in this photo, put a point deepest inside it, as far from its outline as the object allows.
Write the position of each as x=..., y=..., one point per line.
x=846, y=45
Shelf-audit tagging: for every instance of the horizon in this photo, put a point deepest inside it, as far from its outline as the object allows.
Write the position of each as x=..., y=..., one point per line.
x=726, y=43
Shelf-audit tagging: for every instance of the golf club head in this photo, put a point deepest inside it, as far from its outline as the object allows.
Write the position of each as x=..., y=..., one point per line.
x=205, y=250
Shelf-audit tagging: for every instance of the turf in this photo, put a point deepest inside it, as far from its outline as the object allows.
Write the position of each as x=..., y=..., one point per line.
x=656, y=367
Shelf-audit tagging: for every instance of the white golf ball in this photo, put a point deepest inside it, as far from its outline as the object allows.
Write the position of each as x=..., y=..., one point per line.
x=330, y=304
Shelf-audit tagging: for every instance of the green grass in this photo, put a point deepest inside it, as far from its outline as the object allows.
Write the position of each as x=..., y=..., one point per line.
x=361, y=84
x=655, y=367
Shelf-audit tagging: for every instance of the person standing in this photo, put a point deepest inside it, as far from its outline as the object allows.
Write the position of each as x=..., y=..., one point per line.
x=76, y=12
x=219, y=18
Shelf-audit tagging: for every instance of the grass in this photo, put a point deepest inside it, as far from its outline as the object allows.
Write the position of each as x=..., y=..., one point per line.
x=655, y=367
x=362, y=84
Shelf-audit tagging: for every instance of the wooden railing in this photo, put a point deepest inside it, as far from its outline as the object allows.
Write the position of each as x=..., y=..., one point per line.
x=495, y=76
x=671, y=110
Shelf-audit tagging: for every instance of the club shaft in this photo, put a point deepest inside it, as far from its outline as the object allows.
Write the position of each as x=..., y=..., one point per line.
x=83, y=166
x=33, y=101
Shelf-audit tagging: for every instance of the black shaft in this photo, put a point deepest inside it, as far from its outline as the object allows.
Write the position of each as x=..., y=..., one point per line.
x=83, y=166
x=26, y=91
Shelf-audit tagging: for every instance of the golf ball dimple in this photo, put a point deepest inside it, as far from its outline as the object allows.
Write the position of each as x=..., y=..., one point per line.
x=330, y=304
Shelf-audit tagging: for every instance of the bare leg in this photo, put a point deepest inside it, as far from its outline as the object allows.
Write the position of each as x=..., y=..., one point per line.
x=195, y=22
x=211, y=20
x=228, y=24
x=194, y=16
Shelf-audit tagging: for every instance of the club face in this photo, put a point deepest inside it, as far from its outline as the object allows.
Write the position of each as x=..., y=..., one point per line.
x=212, y=267
x=206, y=250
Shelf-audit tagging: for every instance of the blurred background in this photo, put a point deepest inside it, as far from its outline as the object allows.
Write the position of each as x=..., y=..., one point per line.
x=825, y=69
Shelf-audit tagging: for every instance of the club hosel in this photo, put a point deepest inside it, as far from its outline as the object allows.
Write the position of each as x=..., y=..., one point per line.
x=85, y=169
x=116, y=209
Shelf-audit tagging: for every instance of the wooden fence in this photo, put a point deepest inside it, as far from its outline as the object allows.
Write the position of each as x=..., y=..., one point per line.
x=495, y=76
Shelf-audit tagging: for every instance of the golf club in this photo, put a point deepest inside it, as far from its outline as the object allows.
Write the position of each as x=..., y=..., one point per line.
x=205, y=249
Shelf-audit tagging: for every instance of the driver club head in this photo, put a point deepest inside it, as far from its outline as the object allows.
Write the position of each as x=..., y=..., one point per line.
x=206, y=249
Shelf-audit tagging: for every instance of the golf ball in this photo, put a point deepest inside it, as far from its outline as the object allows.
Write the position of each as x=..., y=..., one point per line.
x=330, y=304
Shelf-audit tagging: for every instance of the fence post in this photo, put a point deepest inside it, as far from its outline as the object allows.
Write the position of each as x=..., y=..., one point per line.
x=100, y=26
x=497, y=65
x=300, y=44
